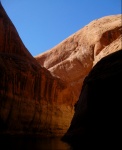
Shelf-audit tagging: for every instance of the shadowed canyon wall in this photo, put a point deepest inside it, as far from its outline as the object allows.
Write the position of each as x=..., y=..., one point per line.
x=37, y=95
x=96, y=121
x=31, y=99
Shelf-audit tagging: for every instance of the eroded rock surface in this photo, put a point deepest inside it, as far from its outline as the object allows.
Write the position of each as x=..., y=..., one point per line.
x=32, y=101
x=73, y=58
x=38, y=95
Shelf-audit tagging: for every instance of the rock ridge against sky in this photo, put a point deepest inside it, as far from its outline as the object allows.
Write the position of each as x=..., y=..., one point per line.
x=37, y=95
x=32, y=101
x=72, y=59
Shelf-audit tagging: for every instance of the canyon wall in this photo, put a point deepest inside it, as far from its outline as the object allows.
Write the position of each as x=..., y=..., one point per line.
x=32, y=101
x=73, y=58
x=37, y=95
x=96, y=121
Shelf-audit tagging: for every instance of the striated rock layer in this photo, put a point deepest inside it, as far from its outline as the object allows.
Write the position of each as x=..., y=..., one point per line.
x=38, y=95
x=96, y=121
x=73, y=58
x=32, y=101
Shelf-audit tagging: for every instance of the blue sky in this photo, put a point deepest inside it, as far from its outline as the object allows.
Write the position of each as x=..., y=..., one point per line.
x=42, y=24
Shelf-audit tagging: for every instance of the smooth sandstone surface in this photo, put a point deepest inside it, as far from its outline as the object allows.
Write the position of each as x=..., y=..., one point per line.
x=72, y=59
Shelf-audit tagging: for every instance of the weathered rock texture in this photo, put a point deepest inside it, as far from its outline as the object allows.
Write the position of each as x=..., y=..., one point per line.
x=38, y=98
x=31, y=99
x=73, y=58
x=97, y=115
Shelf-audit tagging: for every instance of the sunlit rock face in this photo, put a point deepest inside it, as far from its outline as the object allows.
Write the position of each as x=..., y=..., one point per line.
x=96, y=121
x=37, y=96
x=32, y=101
x=73, y=58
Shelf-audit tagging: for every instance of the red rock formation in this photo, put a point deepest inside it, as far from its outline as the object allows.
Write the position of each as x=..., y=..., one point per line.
x=96, y=121
x=73, y=58
x=36, y=100
x=31, y=99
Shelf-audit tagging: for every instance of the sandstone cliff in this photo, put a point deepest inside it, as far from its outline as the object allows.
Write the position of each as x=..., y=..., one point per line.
x=32, y=101
x=73, y=58
x=96, y=121
x=38, y=95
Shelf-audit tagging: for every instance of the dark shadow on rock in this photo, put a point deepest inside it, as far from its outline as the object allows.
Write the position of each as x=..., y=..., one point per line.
x=97, y=118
